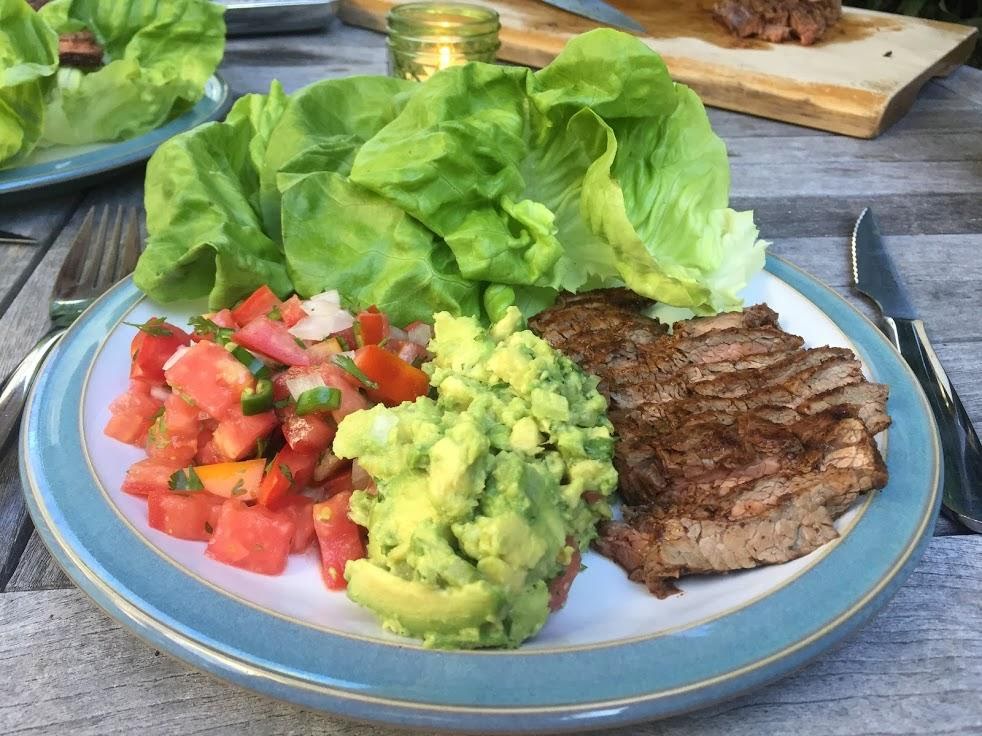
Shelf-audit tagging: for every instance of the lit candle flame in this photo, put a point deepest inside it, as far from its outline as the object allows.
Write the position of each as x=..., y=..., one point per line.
x=445, y=57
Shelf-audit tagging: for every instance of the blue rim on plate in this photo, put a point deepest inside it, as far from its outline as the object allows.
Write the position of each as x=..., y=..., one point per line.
x=82, y=167
x=514, y=691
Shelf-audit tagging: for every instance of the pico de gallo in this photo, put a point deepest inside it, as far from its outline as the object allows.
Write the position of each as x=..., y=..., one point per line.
x=238, y=413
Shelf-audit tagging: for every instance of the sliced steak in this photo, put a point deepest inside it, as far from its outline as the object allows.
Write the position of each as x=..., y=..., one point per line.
x=735, y=446
x=778, y=20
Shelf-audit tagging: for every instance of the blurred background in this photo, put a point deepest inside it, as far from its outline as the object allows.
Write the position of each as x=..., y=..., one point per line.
x=955, y=11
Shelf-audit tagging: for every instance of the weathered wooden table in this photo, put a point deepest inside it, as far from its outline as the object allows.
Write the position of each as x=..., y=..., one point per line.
x=916, y=668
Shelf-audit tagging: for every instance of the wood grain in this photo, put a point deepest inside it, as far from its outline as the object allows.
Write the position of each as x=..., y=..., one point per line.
x=915, y=668
x=858, y=81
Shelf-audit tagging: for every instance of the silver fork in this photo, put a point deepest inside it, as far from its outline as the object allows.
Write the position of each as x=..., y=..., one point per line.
x=95, y=262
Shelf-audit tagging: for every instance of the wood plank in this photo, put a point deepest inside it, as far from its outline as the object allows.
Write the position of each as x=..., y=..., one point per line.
x=20, y=326
x=858, y=81
x=38, y=219
x=37, y=570
x=832, y=214
x=918, y=664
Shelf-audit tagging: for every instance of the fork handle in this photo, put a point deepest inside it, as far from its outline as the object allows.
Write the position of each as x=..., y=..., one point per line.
x=13, y=394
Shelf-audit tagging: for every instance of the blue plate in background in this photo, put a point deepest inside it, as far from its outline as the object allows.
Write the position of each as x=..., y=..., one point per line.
x=613, y=655
x=60, y=168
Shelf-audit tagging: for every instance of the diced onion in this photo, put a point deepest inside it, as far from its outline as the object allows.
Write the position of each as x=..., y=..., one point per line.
x=420, y=333
x=298, y=384
x=396, y=334
x=360, y=478
x=324, y=317
x=178, y=354
x=160, y=393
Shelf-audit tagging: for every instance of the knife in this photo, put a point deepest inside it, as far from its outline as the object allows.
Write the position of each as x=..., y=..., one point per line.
x=875, y=276
x=599, y=11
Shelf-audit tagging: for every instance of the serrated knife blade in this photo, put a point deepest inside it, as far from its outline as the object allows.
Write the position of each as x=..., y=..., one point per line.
x=599, y=11
x=873, y=271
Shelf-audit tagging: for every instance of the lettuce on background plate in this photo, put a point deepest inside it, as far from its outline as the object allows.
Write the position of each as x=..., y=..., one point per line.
x=159, y=55
x=484, y=186
x=28, y=59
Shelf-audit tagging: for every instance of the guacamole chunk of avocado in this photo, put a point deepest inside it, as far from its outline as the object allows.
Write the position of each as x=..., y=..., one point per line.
x=480, y=492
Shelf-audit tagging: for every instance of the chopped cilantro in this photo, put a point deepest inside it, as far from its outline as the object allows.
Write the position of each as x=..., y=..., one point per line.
x=186, y=480
x=155, y=326
x=345, y=363
x=287, y=473
x=275, y=313
x=208, y=528
x=204, y=326
x=239, y=488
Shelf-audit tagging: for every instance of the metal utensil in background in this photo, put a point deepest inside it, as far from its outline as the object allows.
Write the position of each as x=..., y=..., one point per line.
x=599, y=11
x=94, y=263
x=15, y=239
x=875, y=276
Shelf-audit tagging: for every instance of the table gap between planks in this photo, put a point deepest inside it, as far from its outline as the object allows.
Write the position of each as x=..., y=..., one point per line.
x=915, y=669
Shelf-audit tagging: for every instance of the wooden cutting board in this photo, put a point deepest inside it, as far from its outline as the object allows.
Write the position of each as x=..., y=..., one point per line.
x=861, y=78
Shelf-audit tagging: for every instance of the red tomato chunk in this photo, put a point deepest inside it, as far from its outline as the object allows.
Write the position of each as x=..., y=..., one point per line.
x=291, y=311
x=132, y=414
x=150, y=350
x=184, y=515
x=209, y=376
x=300, y=510
x=373, y=326
x=251, y=537
x=173, y=437
x=309, y=433
x=259, y=304
x=397, y=380
x=146, y=476
x=289, y=473
x=237, y=435
x=272, y=339
x=339, y=538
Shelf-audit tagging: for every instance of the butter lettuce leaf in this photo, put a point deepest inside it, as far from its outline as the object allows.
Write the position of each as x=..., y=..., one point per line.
x=28, y=59
x=159, y=55
x=205, y=234
x=338, y=235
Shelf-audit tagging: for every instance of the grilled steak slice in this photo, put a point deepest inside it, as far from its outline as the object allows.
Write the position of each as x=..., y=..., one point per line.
x=80, y=50
x=660, y=550
x=779, y=20
x=759, y=315
x=735, y=446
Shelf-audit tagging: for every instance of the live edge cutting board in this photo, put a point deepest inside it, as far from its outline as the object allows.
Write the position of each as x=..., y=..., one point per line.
x=858, y=80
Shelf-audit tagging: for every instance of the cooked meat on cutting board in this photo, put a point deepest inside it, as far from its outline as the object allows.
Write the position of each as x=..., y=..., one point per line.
x=80, y=50
x=779, y=20
x=736, y=446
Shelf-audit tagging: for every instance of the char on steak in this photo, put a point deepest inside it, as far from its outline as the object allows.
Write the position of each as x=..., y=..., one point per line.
x=779, y=20
x=736, y=446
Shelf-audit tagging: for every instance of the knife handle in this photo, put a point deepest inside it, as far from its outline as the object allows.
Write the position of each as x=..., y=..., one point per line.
x=959, y=442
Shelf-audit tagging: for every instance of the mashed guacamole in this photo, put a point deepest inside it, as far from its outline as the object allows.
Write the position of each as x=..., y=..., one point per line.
x=480, y=492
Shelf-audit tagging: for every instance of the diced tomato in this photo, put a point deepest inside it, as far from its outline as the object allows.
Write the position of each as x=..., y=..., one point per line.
x=559, y=586
x=289, y=473
x=148, y=475
x=233, y=480
x=251, y=537
x=259, y=304
x=209, y=454
x=273, y=340
x=173, y=437
x=184, y=515
x=340, y=483
x=291, y=311
x=132, y=414
x=346, y=338
x=300, y=510
x=236, y=436
x=373, y=326
x=397, y=380
x=321, y=352
x=150, y=350
x=407, y=350
x=309, y=433
x=209, y=376
x=339, y=538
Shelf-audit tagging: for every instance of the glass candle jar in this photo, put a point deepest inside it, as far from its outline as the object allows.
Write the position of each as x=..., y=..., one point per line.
x=427, y=37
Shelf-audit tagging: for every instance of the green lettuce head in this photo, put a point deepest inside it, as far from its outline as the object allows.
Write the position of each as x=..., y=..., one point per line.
x=160, y=53
x=28, y=59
